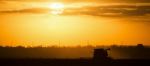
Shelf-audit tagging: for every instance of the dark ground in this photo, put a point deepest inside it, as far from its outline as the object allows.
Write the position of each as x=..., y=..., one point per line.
x=73, y=62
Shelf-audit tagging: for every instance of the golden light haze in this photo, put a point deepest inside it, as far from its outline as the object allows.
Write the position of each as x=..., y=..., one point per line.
x=70, y=30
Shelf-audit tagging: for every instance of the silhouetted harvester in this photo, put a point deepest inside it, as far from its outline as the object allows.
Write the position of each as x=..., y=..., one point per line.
x=101, y=54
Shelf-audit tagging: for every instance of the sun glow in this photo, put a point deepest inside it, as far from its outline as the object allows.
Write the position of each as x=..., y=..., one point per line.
x=56, y=8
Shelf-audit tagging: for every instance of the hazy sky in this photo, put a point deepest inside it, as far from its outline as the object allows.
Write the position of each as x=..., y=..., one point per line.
x=84, y=0
x=79, y=22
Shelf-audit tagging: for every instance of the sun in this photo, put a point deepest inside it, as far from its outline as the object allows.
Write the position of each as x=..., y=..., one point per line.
x=56, y=8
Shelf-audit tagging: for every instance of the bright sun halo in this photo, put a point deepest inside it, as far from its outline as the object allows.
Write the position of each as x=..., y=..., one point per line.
x=56, y=8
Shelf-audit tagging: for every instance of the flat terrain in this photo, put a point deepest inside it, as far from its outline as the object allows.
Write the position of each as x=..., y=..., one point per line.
x=73, y=62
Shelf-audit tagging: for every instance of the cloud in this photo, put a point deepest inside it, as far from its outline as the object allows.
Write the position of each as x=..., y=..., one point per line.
x=107, y=11
x=32, y=10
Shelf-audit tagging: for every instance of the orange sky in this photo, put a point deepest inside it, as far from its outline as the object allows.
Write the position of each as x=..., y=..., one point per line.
x=32, y=24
